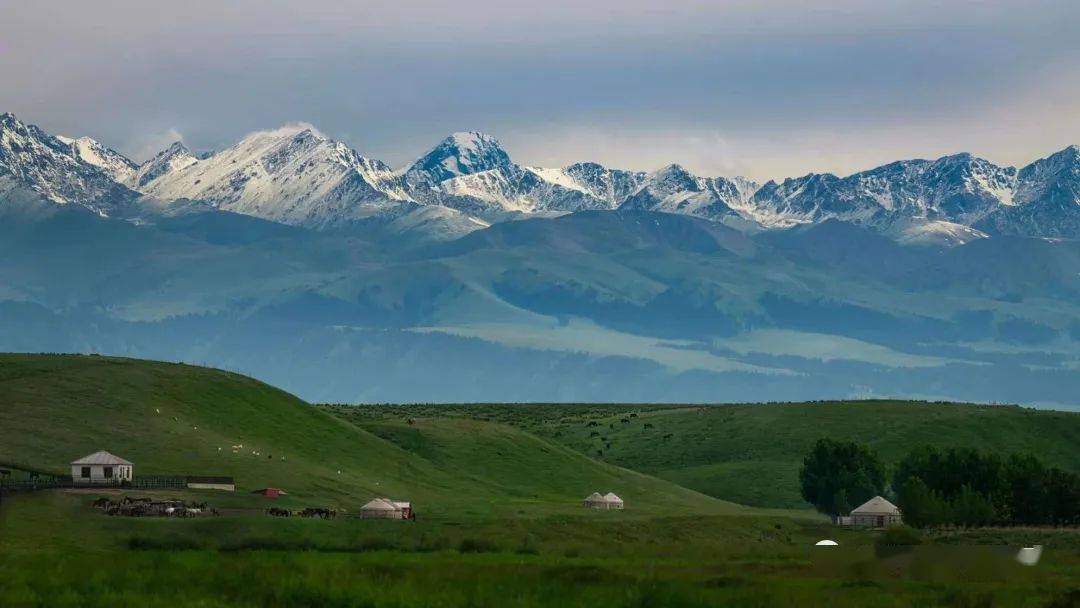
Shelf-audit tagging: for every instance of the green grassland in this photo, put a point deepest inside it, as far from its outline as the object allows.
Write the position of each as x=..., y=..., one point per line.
x=751, y=454
x=57, y=551
x=497, y=490
x=180, y=420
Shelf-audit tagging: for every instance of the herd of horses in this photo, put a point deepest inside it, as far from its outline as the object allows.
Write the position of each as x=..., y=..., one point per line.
x=129, y=506
x=308, y=512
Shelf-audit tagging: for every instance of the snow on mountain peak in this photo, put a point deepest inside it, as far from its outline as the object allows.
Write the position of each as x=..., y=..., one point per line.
x=116, y=165
x=675, y=177
x=462, y=153
x=174, y=158
x=673, y=189
x=472, y=140
x=55, y=170
x=293, y=174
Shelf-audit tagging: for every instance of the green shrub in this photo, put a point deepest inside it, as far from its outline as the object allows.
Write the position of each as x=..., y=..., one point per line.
x=528, y=547
x=476, y=545
x=900, y=536
x=141, y=543
x=376, y=543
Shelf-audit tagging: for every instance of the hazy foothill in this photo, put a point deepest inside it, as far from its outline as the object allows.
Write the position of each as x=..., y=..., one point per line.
x=465, y=276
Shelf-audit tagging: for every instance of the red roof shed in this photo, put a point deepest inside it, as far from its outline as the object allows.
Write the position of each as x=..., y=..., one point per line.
x=271, y=492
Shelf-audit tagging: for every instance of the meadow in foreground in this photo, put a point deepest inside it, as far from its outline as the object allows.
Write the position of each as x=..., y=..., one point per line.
x=57, y=551
x=497, y=491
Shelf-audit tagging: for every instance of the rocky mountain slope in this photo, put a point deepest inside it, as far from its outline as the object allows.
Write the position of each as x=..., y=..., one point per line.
x=293, y=175
x=57, y=169
x=296, y=175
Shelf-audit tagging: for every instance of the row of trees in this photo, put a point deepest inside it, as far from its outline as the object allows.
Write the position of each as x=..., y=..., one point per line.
x=958, y=486
x=964, y=486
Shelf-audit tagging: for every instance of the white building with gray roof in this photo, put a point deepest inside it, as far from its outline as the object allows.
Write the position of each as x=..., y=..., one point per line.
x=101, y=468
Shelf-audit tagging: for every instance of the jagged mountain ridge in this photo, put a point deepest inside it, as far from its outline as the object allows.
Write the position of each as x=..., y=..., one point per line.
x=673, y=189
x=174, y=158
x=296, y=175
x=1046, y=201
x=293, y=175
x=56, y=169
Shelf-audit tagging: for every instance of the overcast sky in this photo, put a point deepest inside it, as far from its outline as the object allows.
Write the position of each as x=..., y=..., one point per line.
x=764, y=88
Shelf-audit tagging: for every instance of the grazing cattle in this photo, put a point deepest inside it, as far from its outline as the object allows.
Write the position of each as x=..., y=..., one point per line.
x=278, y=512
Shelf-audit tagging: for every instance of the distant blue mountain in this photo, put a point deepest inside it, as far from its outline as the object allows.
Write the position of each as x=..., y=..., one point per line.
x=468, y=277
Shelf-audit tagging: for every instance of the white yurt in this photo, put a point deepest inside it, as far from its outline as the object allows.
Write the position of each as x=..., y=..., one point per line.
x=876, y=513
x=380, y=508
x=614, y=502
x=595, y=501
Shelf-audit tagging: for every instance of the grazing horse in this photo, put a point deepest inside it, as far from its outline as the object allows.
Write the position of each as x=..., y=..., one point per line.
x=318, y=512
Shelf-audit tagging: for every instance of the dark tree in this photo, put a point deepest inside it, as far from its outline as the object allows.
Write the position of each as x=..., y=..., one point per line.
x=971, y=508
x=971, y=488
x=921, y=507
x=1065, y=496
x=837, y=476
x=1029, y=491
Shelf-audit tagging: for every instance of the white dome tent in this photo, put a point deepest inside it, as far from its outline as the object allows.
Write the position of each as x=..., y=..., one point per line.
x=609, y=501
x=613, y=501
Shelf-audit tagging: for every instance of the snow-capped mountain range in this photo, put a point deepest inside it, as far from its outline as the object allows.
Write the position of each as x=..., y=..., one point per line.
x=296, y=175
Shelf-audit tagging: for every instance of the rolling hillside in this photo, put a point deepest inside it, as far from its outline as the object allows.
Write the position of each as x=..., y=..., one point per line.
x=172, y=419
x=751, y=454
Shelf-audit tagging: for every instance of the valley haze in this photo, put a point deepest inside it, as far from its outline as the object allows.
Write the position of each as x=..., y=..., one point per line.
x=465, y=276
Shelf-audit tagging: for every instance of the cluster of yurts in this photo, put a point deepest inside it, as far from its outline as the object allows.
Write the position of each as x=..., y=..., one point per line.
x=605, y=501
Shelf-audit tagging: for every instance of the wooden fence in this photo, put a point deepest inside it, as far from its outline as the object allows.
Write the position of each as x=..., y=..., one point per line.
x=53, y=483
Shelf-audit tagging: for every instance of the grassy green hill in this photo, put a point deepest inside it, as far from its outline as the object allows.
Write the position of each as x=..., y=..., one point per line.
x=172, y=419
x=497, y=489
x=751, y=454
